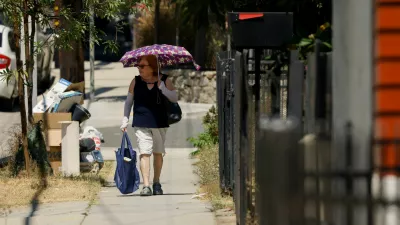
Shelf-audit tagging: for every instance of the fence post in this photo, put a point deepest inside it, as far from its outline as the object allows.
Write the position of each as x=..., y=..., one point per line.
x=221, y=57
x=279, y=176
x=238, y=106
x=295, y=88
x=225, y=79
x=309, y=99
x=70, y=148
x=230, y=119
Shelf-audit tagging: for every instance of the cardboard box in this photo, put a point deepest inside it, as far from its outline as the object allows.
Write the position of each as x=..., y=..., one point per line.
x=80, y=87
x=52, y=119
x=54, y=155
x=51, y=96
x=53, y=136
x=66, y=101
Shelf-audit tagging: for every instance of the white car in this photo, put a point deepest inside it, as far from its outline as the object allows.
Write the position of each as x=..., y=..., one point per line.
x=8, y=91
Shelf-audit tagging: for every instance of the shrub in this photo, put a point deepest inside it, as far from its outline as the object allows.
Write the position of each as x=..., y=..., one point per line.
x=37, y=151
x=207, y=168
x=216, y=38
x=167, y=28
x=144, y=32
x=210, y=135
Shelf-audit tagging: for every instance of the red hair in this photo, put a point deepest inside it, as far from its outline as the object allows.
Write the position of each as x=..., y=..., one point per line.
x=153, y=63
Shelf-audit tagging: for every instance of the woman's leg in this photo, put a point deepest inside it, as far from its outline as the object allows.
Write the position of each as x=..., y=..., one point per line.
x=144, y=138
x=145, y=169
x=158, y=151
x=157, y=163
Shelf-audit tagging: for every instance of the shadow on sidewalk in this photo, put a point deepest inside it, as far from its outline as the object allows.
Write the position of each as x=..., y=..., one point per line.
x=169, y=194
x=99, y=91
x=112, y=98
x=100, y=66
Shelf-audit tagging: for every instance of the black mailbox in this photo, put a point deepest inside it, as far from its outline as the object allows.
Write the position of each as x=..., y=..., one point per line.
x=261, y=29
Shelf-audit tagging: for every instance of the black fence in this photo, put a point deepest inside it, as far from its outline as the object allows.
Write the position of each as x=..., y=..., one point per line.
x=276, y=155
x=243, y=94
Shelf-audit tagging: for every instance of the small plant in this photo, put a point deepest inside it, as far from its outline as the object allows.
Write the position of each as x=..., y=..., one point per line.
x=207, y=169
x=323, y=33
x=210, y=135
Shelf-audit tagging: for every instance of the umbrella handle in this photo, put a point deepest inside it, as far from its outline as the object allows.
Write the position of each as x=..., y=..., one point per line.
x=158, y=65
x=158, y=71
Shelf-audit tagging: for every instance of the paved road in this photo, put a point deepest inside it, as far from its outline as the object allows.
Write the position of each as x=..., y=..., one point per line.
x=8, y=120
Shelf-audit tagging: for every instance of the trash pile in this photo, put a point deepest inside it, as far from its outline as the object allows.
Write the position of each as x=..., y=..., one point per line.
x=89, y=147
x=63, y=103
x=63, y=99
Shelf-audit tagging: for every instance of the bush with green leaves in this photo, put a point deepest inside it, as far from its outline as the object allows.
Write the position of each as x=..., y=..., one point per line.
x=210, y=135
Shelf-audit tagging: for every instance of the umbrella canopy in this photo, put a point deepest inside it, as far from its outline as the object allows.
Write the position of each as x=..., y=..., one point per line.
x=168, y=55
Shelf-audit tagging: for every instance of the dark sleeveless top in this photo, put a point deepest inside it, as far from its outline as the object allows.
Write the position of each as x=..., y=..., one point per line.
x=148, y=107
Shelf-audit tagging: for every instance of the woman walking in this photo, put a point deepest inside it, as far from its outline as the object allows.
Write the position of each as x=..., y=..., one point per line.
x=150, y=120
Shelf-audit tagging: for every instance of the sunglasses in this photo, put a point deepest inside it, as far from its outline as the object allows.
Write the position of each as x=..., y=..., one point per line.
x=141, y=66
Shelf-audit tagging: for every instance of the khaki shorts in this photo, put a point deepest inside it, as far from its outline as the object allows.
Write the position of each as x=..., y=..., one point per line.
x=150, y=140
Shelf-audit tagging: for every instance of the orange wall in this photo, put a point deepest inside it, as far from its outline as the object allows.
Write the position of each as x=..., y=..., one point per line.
x=387, y=79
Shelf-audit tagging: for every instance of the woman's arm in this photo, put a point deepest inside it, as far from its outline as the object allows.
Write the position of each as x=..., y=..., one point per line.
x=169, y=90
x=128, y=105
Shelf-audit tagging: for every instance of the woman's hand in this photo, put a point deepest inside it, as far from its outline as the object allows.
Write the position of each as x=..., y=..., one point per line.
x=124, y=125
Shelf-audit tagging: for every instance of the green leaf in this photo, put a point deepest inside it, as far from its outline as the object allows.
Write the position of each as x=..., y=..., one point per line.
x=305, y=41
x=327, y=44
x=6, y=75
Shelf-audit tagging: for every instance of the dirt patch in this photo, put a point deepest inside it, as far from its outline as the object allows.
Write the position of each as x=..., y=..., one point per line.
x=19, y=191
x=206, y=167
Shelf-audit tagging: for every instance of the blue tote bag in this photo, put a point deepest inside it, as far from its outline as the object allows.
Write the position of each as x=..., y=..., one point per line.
x=126, y=175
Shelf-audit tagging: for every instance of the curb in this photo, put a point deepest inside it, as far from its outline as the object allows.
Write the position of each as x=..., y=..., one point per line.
x=189, y=114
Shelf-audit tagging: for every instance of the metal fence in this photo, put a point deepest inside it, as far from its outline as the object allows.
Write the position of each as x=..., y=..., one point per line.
x=239, y=92
x=276, y=155
x=277, y=92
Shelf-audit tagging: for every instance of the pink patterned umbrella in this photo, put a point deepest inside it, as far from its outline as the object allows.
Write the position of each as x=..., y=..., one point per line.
x=168, y=55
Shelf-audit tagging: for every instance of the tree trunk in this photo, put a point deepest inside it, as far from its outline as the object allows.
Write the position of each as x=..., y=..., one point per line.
x=28, y=62
x=72, y=61
x=177, y=22
x=156, y=22
x=21, y=93
x=200, y=46
x=32, y=62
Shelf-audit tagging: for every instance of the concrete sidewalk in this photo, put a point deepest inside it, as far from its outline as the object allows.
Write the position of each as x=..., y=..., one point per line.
x=176, y=207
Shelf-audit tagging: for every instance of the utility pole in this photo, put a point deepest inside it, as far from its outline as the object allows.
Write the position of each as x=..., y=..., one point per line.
x=91, y=48
x=351, y=95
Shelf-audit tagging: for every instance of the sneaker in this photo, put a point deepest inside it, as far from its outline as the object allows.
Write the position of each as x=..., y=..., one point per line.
x=157, y=189
x=146, y=191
